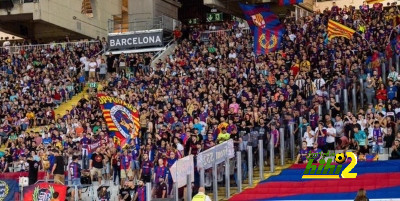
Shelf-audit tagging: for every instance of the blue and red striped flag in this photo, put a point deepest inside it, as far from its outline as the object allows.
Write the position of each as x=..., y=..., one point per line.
x=266, y=27
x=289, y=2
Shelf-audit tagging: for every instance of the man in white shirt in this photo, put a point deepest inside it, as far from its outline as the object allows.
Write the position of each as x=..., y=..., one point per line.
x=309, y=137
x=319, y=82
x=393, y=74
x=330, y=136
x=92, y=68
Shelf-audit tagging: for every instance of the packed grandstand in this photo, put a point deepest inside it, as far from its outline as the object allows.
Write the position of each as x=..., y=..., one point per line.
x=210, y=89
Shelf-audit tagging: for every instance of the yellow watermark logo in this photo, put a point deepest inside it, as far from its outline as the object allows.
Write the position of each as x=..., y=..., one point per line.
x=326, y=170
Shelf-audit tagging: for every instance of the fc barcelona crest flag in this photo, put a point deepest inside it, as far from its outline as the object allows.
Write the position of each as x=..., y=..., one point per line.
x=44, y=192
x=122, y=119
x=8, y=188
x=266, y=27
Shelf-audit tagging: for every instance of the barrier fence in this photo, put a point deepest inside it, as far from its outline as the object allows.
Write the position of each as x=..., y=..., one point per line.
x=9, y=50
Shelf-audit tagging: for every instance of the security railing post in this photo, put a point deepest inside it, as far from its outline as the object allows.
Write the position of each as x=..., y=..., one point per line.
x=272, y=154
x=148, y=191
x=189, y=186
x=300, y=130
x=383, y=66
x=282, y=145
x=201, y=176
x=176, y=191
x=291, y=133
x=362, y=92
x=337, y=98
x=227, y=178
x=328, y=106
x=346, y=101
x=250, y=164
x=320, y=111
x=397, y=64
x=239, y=170
x=261, y=158
x=76, y=192
x=354, y=98
x=215, y=182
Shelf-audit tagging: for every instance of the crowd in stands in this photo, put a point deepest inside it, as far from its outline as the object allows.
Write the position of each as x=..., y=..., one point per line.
x=206, y=93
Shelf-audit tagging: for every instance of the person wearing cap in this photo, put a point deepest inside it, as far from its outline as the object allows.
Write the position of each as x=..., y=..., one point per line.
x=201, y=195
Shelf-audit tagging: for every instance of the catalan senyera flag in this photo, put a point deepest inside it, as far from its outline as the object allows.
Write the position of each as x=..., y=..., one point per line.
x=289, y=2
x=336, y=29
x=122, y=119
x=374, y=1
x=266, y=27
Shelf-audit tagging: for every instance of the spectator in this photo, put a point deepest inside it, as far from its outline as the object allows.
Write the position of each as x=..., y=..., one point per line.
x=361, y=195
x=75, y=174
x=58, y=168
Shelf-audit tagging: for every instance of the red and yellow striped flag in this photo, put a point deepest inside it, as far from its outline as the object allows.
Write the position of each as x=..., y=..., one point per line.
x=374, y=1
x=336, y=29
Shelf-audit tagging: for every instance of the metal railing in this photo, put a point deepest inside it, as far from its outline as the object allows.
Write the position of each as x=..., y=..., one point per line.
x=119, y=25
x=205, y=35
x=158, y=54
x=48, y=46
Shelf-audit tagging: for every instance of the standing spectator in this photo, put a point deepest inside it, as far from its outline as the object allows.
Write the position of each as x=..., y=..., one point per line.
x=96, y=165
x=75, y=173
x=146, y=168
x=103, y=70
x=161, y=188
x=126, y=171
x=58, y=168
x=116, y=166
x=121, y=70
x=309, y=137
x=377, y=145
x=361, y=138
x=3, y=165
x=33, y=170
x=140, y=194
x=92, y=68
x=330, y=136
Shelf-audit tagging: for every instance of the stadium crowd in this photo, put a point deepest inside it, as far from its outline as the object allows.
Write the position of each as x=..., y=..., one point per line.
x=203, y=94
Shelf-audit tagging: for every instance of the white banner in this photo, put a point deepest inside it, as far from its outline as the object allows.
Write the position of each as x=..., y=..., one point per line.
x=181, y=169
x=216, y=154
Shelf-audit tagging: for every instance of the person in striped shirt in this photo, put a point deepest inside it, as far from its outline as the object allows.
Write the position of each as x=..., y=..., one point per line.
x=75, y=175
x=140, y=192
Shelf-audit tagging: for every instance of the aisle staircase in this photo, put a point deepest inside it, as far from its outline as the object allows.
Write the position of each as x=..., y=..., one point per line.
x=61, y=110
x=245, y=183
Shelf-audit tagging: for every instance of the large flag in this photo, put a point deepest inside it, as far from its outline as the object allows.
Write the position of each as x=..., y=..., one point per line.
x=289, y=2
x=44, y=192
x=374, y=1
x=8, y=188
x=122, y=119
x=336, y=29
x=266, y=27
x=259, y=16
